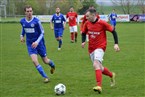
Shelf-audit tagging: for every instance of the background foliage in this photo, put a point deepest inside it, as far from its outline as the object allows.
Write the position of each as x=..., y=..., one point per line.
x=47, y=7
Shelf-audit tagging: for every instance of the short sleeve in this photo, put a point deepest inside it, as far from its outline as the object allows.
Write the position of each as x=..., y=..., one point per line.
x=108, y=27
x=85, y=29
x=52, y=19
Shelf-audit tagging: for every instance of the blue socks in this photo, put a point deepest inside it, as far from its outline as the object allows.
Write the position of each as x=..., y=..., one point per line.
x=60, y=43
x=41, y=71
x=51, y=63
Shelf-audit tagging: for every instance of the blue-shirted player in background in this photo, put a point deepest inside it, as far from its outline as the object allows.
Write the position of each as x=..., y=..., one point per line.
x=33, y=29
x=59, y=25
x=112, y=18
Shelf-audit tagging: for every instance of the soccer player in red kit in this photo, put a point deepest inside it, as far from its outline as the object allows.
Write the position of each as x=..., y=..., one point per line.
x=84, y=19
x=96, y=29
x=72, y=16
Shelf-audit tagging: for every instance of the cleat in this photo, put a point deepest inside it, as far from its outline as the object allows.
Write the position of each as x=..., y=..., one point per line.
x=98, y=89
x=46, y=80
x=72, y=41
x=52, y=70
x=113, y=79
x=59, y=49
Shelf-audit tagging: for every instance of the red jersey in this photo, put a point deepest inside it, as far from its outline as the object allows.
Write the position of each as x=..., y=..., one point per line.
x=97, y=34
x=72, y=18
x=84, y=19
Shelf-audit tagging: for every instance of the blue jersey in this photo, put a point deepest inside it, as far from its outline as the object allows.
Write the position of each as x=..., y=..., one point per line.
x=33, y=29
x=113, y=16
x=58, y=20
x=34, y=33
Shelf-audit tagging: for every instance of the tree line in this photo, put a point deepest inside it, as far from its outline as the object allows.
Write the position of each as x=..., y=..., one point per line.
x=47, y=7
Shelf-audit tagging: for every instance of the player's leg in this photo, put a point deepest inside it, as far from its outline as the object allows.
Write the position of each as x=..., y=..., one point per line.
x=98, y=54
x=33, y=54
x=60, y=35
x=39, y=67
x=111, y=22
x=50, y=63
x=98, y=74
x=107, y=72
x=57, y=37
x=72, y=36
x=114, y=24
x=60, y=43
x=97, y=58
x=42, y=52
x=76, y=32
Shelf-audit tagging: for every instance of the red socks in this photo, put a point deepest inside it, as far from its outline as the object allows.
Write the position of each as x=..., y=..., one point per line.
x=72, y=36
x=99, y=77
x=107, y=72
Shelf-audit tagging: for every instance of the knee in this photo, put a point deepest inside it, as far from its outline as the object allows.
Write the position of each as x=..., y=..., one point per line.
x=97, y=65
x=35, y=62
x=46, y=61
x=58, y=39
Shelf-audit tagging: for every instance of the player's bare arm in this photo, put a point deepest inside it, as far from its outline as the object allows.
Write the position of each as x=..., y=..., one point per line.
x=22, y=39
x=51, y=25
x=64, y=25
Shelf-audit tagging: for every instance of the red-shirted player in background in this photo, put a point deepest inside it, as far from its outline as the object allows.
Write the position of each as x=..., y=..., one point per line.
x=72, y=16
x=84, y=19
x=96, y=30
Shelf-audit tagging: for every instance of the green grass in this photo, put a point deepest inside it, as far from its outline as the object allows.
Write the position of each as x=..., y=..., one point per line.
x=19, y=78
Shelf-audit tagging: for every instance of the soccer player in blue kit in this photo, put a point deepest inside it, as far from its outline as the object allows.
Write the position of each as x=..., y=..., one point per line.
x=59, y=25
x=112, y=18
x=31, y=26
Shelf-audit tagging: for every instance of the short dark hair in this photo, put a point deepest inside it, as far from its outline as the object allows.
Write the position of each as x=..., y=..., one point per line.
x=57, y=7
x=71, y=7
x=27, y=6
x=92, y=11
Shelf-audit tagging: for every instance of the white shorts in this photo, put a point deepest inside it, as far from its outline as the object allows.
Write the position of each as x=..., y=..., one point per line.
x=97, y=55
x=73, y=29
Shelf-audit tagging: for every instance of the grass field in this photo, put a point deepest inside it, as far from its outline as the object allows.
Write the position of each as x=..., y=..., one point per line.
x=19, y=78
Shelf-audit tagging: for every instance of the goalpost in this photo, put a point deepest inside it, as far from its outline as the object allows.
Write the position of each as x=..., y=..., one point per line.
x=3, y=11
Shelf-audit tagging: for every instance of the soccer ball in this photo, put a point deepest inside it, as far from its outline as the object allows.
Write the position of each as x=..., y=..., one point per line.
x=60, y=89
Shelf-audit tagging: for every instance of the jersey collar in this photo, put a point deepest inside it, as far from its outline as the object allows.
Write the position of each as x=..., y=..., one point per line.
x=29, y=20
x=58, y=14
x=95, y=21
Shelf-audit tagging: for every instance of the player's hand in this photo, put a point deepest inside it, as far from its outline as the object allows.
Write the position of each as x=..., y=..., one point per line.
x=83, y=44
x=52, y=28
x=22, y=39
x=34, y=45
x=64, y=26
x=116, y=48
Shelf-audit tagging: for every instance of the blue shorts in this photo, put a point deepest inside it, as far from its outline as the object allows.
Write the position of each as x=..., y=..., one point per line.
x=40, y=49
x=58, y=32
x=113, y=23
